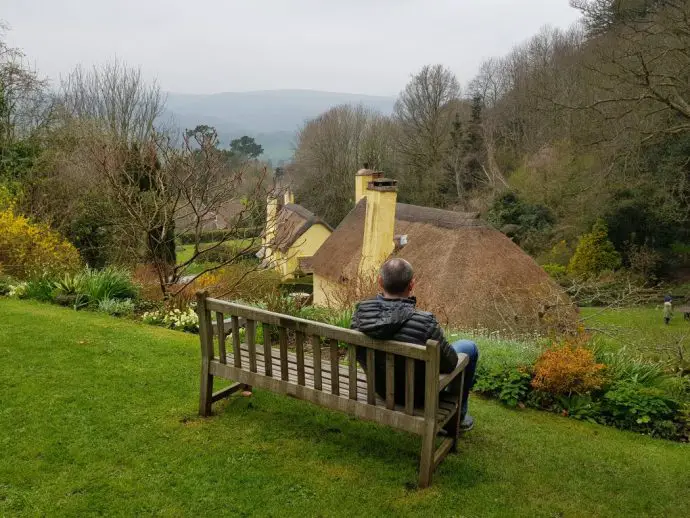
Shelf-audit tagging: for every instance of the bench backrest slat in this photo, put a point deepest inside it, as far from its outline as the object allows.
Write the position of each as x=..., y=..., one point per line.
x=316, y=348
x=251, y=343
x=371, y=378
x=268, y=347
x=236, y=341
x=390, y=381
x=222, y=353
x=409, y=386
x=335, y=367
x=282, y=338
x=352, y=364
x=299, y=346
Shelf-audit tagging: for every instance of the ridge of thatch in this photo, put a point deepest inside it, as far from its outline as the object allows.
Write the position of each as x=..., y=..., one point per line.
x=437, y=217
x=292, y=222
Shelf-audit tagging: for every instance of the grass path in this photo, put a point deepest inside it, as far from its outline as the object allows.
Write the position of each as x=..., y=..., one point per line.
x=98, y=416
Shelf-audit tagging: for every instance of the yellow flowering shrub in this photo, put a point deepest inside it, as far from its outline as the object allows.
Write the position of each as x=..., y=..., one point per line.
x=28, y=249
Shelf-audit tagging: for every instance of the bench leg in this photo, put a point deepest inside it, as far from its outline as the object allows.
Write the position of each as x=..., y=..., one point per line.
x=426, y=461
x=206, y=392
x=456, y=419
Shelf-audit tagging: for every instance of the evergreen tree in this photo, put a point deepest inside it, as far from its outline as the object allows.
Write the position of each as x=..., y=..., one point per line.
x=595, y=253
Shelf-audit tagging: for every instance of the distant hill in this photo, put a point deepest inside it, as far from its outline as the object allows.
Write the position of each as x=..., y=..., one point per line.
x=272, y=117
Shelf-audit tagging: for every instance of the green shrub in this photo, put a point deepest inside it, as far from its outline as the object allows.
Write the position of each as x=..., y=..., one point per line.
x=39, y=288
x=559, y=254
x=556, y=271
x=229, y=251
x=637, y=407
x=116, y=307
x=580, y=406
x=108, y=283
x=527, y=223
x=594, y=253
x=5, y=284
x=508, y=385
x=620, y=367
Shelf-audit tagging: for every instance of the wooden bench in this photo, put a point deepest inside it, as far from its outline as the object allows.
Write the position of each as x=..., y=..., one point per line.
x=322, y=377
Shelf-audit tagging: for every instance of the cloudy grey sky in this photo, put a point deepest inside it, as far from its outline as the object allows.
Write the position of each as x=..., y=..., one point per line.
x=208, y=46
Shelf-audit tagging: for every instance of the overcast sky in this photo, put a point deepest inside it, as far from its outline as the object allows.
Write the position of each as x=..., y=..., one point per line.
x=208, y=46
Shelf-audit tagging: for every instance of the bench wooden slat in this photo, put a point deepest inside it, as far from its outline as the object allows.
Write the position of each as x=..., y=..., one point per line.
x=236, y=340
x=352, y=360
x=309, y=372
x=371, y=377
x=220, y=324
x=316, y=348
x=299, y=345
x=266, y=331
x=442, y=451
x=390, y=381
x=409, y=386
x=251, y=343
x=282, y=338
x=335, y=367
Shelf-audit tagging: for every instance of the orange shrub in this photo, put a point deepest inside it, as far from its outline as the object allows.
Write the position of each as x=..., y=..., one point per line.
x=568, y=368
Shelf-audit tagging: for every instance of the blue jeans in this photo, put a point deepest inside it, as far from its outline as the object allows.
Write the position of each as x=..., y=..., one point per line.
x=470, y=349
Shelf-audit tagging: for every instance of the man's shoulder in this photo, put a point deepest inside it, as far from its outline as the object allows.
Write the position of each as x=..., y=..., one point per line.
x=424, y=316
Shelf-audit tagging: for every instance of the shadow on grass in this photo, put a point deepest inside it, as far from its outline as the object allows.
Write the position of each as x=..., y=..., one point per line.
x=318, y=435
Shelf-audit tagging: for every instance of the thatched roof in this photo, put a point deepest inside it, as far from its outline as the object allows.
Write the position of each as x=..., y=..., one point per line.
x=292, y=222
x=469, y=274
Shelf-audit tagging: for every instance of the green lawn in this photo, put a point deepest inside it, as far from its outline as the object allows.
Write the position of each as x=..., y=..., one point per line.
x=640, y=330
x=98, y=416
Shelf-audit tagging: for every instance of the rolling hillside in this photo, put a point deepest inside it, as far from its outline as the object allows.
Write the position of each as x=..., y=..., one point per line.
x=272, y=117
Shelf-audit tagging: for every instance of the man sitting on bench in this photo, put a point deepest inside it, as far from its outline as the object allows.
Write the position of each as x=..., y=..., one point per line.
x=393, y=316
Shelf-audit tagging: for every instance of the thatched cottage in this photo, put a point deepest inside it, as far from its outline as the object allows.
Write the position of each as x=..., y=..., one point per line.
x=469, y=274
x=292, y=234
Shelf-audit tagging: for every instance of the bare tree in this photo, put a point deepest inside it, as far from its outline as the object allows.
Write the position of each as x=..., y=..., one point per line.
x=25, y=103
x=331, y=148
x=117, y=97
x=160, y=190
x=425, y=113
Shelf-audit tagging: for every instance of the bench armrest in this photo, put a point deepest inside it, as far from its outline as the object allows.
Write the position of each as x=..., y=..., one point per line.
x=445, y=379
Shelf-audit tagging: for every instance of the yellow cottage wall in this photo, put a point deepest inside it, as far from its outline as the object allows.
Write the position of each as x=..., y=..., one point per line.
x=305, y=246
x=323, y=290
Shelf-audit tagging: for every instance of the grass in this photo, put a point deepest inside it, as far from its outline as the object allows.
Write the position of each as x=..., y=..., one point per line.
x=98, y=416
x=639, y=330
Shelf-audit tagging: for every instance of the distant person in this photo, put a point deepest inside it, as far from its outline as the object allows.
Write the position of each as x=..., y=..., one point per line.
x=668, y=309
x=393, y=316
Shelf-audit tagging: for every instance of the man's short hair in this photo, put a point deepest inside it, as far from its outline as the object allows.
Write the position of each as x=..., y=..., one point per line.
x=396, y=276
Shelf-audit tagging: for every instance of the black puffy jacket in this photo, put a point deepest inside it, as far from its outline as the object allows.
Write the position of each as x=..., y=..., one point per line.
x=398, y=319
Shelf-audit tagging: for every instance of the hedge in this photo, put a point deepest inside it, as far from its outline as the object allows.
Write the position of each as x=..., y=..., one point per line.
x=212, y=236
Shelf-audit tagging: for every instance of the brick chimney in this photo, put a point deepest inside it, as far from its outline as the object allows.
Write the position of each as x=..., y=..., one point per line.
x=362, y=179
x=288, y=196
x=272, y=209
x=379, y=225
